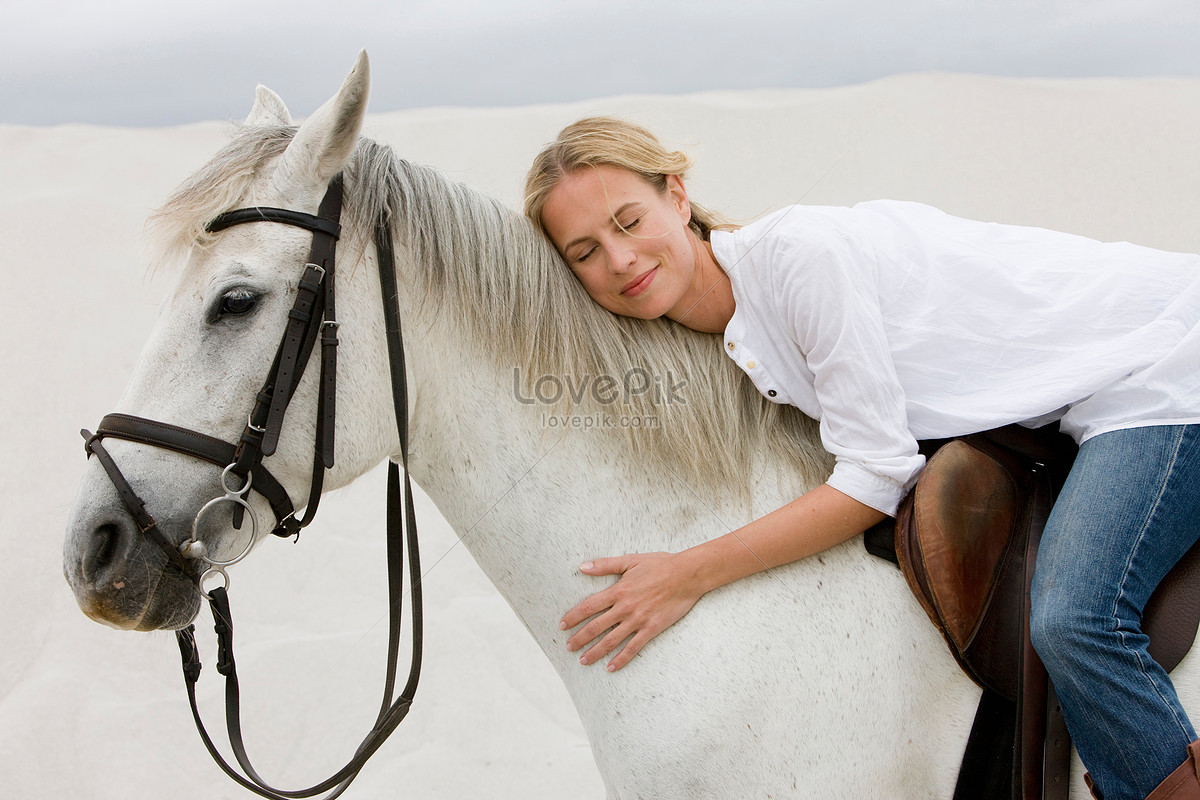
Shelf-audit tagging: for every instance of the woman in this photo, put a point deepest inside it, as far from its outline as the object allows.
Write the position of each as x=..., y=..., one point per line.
x=891, y=322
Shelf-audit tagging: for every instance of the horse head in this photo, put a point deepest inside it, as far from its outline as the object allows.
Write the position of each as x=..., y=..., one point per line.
x=207, y=359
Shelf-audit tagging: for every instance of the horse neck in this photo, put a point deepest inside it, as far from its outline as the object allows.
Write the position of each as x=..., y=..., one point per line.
x=532, y=496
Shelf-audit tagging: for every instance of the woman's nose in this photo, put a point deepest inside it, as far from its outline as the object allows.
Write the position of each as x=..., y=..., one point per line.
x=621, y=257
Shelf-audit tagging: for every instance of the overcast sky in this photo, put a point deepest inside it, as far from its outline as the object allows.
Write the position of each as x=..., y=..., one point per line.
x=166, y=62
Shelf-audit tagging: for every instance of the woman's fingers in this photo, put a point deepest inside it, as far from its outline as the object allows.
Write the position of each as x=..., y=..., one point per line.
x=606, y=645
x=631, y=649
x=600, y=600
x=651, y=595
x=594, y=604
x=613, y=641
x=607, y=566
x=592, y=630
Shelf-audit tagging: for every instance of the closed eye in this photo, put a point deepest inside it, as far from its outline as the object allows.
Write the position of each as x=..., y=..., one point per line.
x=585, y=255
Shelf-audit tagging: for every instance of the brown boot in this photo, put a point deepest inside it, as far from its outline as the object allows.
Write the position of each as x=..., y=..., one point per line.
x=1185, y=782
x=1182, y=784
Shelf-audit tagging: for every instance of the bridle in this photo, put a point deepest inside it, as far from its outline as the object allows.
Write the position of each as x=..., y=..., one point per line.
x=313, y=316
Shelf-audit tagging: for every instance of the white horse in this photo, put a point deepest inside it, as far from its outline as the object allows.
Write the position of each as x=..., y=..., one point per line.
x=548, y=432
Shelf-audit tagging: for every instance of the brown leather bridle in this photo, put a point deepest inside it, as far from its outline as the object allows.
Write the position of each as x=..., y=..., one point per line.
x=313, y=316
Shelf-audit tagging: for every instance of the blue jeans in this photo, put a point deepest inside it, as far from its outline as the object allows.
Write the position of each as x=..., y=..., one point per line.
x=1130, y=509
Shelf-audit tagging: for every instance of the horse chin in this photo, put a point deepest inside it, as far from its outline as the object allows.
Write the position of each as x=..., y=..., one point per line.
x=169, y=603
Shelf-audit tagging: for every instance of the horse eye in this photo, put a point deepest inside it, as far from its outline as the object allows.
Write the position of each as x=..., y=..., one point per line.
x=237, y=302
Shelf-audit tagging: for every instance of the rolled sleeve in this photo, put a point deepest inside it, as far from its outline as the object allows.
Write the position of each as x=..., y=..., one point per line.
x=866, y=485
x=829, y=296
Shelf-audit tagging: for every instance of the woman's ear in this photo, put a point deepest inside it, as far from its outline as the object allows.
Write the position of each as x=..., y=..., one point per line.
x=679, y=199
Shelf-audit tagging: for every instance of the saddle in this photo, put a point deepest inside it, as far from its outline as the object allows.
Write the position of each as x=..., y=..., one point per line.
x=966, y=539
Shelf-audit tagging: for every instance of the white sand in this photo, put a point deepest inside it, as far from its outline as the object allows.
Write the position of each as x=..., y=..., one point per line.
x=86, y=712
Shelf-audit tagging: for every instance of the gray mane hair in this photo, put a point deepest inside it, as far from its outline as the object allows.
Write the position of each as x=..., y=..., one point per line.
x=522, y=307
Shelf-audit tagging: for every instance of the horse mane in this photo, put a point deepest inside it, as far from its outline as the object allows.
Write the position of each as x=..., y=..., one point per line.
x=506, y=285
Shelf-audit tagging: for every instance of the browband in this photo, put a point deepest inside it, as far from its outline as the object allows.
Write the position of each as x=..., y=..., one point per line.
x=267, y=214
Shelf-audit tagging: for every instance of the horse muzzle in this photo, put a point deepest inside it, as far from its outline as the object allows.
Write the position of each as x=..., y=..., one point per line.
x=127, y=587
x=118, y=576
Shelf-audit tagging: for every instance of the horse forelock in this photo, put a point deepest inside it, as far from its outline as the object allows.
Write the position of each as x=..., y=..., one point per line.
x=488, y=271
x=220, y=185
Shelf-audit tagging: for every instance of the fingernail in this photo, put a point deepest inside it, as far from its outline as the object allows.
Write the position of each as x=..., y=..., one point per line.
x=612, y=667
x=562, y=626
x=587, y=565
x=583, y=660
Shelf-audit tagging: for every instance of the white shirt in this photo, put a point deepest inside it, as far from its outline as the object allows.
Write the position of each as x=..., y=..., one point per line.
x=891, y=321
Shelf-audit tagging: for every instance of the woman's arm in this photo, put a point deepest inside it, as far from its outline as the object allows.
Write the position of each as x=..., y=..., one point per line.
x=657, y=589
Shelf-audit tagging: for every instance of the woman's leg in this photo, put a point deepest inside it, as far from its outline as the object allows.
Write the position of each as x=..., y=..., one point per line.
x=1129, y=511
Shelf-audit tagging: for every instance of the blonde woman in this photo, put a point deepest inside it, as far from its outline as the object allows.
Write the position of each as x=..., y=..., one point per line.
x=890, y=322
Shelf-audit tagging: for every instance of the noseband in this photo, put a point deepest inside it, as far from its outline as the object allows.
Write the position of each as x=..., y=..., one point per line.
x=313, y=316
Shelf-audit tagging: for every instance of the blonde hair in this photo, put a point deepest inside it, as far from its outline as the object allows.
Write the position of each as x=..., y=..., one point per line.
x=613, y=142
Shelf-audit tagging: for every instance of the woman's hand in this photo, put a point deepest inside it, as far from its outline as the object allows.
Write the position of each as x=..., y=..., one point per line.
x=656, y=589
x=654, y=592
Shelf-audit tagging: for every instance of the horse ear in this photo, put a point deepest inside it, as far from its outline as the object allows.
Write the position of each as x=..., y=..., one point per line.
x=269, y=109
x=323, y=144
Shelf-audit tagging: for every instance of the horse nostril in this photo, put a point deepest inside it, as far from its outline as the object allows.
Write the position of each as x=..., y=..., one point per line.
x=102, y=551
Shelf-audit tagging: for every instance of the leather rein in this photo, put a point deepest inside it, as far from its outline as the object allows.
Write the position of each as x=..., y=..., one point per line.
x=313, y=316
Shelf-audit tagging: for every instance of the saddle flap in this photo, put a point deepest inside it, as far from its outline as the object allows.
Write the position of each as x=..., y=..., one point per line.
x=964, y=510
x=1173, y=613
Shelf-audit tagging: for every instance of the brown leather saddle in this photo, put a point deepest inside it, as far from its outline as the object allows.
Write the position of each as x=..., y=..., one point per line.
x=966, y=539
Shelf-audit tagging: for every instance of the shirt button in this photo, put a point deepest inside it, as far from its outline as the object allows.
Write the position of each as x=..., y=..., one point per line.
x=730, y=345
x=750, y=365
x=771, y=392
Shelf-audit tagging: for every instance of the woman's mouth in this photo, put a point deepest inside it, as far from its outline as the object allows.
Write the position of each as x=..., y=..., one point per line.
x=639, y=284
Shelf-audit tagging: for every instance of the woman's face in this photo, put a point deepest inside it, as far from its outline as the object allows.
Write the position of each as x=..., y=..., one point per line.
x=628, y=243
